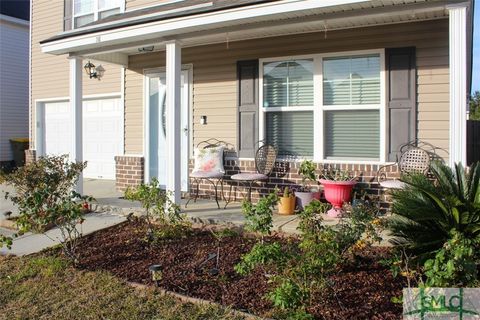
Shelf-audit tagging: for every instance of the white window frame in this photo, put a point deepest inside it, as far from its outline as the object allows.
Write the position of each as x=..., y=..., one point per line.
x=318, y=108
x=95, y=12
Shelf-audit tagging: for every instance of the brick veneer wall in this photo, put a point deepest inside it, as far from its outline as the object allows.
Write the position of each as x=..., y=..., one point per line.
x=30, y=156
x=285, y=174
x=128, y=171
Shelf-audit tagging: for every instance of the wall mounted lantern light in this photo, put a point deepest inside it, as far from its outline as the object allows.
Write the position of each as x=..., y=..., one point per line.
x=94, y=72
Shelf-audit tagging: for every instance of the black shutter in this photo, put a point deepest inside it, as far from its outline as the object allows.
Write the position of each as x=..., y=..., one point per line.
x=247, y=83
x=67, y=14
x=401, y=99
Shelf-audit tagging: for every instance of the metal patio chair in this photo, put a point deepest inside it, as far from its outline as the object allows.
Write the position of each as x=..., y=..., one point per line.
x=415, y=157
x=215, y=178
x=265, y=158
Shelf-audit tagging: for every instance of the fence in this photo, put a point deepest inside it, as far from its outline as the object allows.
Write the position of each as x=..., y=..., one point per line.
x=473, y=141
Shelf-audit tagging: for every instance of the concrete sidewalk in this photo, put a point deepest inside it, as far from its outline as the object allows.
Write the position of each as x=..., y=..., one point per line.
x=110, y=209
x=34, y=242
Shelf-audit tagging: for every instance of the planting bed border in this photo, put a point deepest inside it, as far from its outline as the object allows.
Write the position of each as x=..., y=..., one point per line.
x=193, y=300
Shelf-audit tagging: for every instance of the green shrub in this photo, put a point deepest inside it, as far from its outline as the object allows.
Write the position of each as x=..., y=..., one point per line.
x=44, y=197
x=303, y=267
x=307, y=171
x=310, y=217
x=261, y=254
x=474, y=106
x=426, y=211
x=259, y=217
x=158, y=208
x=455, y=264
x=287, y=294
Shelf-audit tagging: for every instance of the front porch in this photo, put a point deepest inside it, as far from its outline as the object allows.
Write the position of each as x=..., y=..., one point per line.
x=108, y=199
x=429, y=104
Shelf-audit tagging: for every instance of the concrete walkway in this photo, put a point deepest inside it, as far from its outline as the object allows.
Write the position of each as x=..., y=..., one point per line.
x=34, y=242
x=110, y=209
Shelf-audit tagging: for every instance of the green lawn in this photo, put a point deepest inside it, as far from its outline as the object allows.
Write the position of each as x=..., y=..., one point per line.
x=45, y=287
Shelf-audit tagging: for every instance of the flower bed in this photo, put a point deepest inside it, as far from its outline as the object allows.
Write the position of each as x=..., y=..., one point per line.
x=362, y=288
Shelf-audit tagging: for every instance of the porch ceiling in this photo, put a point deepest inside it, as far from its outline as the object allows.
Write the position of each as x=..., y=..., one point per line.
x=115, y=45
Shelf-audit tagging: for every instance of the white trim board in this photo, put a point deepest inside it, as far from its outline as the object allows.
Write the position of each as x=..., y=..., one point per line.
x=179, y=25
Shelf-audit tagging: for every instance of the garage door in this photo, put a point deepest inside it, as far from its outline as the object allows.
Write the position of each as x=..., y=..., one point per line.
x=102, y=134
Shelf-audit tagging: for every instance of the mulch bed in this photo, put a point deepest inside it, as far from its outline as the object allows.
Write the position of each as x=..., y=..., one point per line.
x=362, y=290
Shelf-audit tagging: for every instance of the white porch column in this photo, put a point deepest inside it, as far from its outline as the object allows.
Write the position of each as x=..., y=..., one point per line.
x=173, y=96
x=458, y=83
x=76, y=92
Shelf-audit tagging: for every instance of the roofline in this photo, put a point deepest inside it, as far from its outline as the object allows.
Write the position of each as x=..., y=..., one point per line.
x=147, y=18
x=18, y=21
x=168, y=29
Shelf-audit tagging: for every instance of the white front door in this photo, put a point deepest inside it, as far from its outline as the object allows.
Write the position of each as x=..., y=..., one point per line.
x=155, y=142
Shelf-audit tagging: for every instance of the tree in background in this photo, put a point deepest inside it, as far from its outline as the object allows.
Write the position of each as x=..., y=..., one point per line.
x=475, y=106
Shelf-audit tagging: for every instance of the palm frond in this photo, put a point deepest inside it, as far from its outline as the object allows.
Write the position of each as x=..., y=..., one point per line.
x=425, y=211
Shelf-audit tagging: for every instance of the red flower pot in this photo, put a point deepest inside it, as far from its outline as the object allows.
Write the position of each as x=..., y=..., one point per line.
x=337, y=193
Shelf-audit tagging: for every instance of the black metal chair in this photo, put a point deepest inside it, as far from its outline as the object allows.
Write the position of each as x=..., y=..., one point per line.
x=215, y=178
x=265, y=159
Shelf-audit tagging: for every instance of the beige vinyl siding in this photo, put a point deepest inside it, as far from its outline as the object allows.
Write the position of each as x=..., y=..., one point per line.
x=214, y=75
x=50, y=74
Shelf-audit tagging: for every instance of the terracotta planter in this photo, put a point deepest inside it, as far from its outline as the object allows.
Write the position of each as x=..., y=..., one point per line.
x=304, y=198
x=286, y=205
x=337, y=193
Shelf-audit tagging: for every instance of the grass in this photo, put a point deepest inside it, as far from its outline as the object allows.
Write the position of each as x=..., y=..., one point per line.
x=46, y=287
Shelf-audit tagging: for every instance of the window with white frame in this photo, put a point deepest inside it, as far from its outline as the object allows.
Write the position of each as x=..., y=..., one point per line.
x=328, y=107
x=288, y=102
x=86, y=11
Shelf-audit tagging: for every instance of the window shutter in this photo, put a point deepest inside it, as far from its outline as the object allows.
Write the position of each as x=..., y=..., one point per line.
x=247, y=82
x=67, y=14
x=401, y=98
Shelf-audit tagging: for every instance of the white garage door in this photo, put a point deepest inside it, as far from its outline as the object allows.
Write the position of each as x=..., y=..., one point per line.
x=102, y=134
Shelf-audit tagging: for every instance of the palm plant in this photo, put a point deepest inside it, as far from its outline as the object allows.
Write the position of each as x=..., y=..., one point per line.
x=427, y=210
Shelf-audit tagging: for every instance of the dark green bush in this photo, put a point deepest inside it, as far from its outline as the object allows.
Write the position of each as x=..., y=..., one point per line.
x=44, y=197
x=427, y=210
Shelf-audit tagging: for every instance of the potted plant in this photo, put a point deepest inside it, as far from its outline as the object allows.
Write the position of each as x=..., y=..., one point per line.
x=338, y=185
x=306, y=194
x=286, y=202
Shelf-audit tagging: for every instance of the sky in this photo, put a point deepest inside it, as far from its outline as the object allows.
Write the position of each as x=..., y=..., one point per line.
x=476, y=49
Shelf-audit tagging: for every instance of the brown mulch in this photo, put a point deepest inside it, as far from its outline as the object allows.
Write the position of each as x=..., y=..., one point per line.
x=362, y=290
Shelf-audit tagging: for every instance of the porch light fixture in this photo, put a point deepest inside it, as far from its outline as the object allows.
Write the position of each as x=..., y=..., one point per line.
x=94, y=72
x=91, y=70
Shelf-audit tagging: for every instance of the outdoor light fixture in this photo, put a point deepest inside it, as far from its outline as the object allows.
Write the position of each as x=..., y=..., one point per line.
x=94, y=72
x=91, y=70
x=146, y=49
x=203, y=120
x=156, y=271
